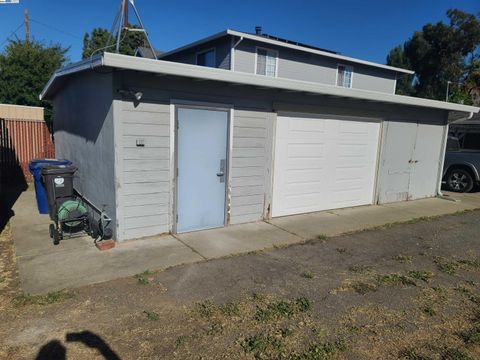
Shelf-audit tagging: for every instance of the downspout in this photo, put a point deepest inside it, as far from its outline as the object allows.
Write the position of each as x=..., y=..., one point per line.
x=444, y=150
x=232, y=54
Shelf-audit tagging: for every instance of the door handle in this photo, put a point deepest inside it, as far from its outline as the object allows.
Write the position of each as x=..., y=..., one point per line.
x=221, y=172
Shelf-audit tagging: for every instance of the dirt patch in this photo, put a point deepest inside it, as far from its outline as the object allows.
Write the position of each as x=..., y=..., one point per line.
x=407, y=291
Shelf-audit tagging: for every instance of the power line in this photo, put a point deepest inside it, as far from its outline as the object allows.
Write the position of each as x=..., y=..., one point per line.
x=56, y=29
x=13, y=33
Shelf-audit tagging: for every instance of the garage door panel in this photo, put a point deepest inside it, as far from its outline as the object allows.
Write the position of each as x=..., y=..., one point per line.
x=323, y=164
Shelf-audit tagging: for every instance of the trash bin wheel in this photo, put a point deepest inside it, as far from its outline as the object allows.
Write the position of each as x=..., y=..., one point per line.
x=51, y=230
x=56, y=237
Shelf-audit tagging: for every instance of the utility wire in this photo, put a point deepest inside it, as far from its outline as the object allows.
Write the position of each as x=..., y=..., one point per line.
x=56, y=29
x=13, y=33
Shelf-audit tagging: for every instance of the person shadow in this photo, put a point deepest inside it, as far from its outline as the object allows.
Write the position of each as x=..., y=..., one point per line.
x=55, y=350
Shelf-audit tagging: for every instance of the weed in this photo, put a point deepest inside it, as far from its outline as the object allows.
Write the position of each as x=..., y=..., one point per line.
x=403, y=258
x=455, y=354
x=205, y=309
x=421, y=275
x=2, y=279
x=322, y=237
x=446, y=266
x=341, y=250
x=473, y=263
x=151, y=315
x=144, y=278
x=429, y=310
x=181, y=341
x=307, y=275
x=261, y=344
x=282, y=308
x=322, y=351
x=229, y=309
x=463, y=290
x=215, y=328
x=395, y=279
x=51, y=298
x=471, y=336
x=320, y=333
x=286, y=331
x=412, y=354
x=363, y=287
x=361, y=269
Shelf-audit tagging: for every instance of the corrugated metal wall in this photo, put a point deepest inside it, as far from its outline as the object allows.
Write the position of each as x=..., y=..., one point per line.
x=20, y=142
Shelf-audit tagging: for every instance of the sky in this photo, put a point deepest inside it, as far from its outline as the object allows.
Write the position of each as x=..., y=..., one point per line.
x=365, y=29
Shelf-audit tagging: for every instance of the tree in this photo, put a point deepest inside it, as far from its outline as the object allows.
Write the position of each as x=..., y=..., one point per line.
x=440, y=53
x=398, y=58
x=25, y=68
x=98, y=38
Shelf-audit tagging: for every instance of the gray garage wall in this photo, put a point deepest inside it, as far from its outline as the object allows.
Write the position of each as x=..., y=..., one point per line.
x=83, y=130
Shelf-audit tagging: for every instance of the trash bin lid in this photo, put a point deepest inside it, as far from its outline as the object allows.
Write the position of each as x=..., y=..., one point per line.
x=58, y=169
x=39, y=163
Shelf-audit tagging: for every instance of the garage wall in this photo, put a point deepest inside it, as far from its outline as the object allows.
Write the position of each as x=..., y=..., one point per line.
x=143, y=185
x=250, y=170
x=83, y=132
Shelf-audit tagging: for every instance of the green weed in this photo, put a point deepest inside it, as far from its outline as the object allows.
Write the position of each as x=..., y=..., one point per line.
x=50, y=298
x=396, y=279
x=455, y=354
x=282, y=308
x=446, y=266
x=403, y=258
x=307, y=275
x=151, y=315
x=144, y=278
x=421, y=275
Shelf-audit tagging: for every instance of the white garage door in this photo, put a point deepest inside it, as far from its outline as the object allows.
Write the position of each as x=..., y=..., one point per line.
x=323, y=163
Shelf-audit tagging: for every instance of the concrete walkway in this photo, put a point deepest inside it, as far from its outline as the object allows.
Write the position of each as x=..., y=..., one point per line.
x=44, y=267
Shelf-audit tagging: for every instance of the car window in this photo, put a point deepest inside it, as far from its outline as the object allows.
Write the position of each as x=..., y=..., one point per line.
x=471, y=141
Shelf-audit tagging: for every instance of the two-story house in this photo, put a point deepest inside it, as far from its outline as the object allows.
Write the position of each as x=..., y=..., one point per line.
x=243, y=127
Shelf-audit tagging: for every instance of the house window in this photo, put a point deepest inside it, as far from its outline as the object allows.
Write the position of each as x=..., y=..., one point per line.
x=344, y=76
x=206, y=58
x=266, y=62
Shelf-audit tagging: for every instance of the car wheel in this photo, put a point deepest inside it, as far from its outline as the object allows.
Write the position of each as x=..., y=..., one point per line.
x=460, y=180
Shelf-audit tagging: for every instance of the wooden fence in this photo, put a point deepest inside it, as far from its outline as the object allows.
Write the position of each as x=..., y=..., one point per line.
x=20, y=142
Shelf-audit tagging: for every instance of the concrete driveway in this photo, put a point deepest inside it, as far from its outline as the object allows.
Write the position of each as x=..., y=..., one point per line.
x=44, y=267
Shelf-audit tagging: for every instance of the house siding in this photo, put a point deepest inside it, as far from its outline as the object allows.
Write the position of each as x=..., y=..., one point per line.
x=222, y=52
x=299, y=65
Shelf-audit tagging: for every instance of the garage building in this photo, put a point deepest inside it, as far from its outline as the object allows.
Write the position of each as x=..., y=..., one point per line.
x=173, y=147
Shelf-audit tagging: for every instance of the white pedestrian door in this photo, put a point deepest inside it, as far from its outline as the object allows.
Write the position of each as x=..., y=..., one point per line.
x=411, y=161
x=201, y=168
x=324, y=162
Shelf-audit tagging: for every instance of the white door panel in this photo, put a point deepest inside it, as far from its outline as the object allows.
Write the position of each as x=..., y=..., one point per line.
x=323, y=163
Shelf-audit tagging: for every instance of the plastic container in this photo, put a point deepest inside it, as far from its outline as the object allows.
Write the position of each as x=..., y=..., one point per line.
x=35, y=168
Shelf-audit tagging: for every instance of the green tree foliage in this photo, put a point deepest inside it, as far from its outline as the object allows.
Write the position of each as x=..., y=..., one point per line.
x=25, y=68
x=440, y=53
x=98, y=38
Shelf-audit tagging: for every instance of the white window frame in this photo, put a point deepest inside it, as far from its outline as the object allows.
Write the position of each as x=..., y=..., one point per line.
x=351, y=77
x=256, y=59
x=206, y=51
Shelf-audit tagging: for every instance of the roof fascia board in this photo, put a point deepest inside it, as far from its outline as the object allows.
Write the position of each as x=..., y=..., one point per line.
x=213, y=74
x=88, y=63
x=318, y=52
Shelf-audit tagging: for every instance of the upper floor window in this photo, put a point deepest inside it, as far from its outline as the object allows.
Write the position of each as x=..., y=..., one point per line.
x=344, y=76
x=266, y=62
x=206, y=58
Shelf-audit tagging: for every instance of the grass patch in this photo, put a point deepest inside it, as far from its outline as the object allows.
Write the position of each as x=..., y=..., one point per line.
x=471, y=336
x=229, y=309
x=421, y=275
x=144, y=278
x=262, y=346
x=322, y=237
x=205, y=309
x=456, y=354
x=429, y=310
x=403, y=258
x=396, y=279
x=307, y=275
x=360, y=269
x=322, y=351
x=446, y=266
x=363, y=288
x=181, y=341
x=50, y=298
x=282, y=309
x=151, y=315
x=473, y=263
x=413, y=354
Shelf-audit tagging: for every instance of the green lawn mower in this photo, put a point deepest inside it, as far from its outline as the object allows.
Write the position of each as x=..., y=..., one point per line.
x=70, y=212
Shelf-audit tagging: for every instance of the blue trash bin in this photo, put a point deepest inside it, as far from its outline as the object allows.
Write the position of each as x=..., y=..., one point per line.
x=35, y=168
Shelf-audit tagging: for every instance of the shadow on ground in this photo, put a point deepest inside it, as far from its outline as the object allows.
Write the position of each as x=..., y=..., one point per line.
x=55, y=350
x=9, y=194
